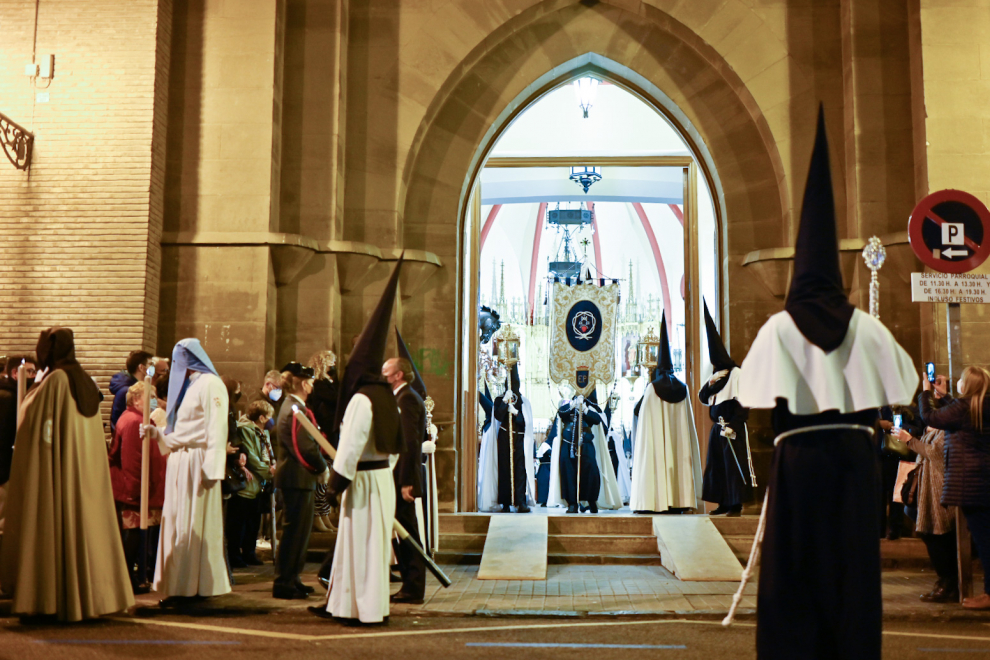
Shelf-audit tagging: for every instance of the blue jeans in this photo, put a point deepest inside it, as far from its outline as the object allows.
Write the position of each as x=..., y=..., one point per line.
x=978, y=520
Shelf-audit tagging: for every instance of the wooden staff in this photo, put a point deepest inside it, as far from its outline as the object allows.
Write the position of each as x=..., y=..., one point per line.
x=404, y=536
x=145, y=469
x=21, y=390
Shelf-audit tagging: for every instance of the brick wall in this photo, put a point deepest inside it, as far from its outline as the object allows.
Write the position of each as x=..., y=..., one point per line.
x=80, y=230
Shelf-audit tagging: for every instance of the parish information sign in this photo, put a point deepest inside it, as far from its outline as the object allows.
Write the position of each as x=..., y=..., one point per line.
x=950, y=288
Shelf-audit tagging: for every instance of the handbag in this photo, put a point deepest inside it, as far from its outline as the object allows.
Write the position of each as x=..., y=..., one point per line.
x=909, y=488
x=894, y=446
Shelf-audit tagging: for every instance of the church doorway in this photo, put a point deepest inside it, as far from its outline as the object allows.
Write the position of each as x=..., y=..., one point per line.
x=589, y=173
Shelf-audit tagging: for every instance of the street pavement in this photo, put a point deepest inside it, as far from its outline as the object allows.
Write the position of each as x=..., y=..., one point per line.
x=249, y=623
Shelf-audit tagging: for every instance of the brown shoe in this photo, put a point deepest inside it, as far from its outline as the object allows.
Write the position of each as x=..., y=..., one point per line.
x=981, y=602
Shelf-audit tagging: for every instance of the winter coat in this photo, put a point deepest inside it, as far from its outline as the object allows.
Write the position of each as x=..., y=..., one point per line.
x=125, y=463
x=119, y=384
x=967, y=451
x=252, y=443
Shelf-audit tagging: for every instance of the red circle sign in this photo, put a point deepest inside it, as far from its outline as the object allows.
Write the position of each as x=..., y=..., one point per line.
x=950, y=231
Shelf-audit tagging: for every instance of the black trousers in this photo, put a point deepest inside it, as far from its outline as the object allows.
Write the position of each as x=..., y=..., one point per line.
x=942, y=552
x=412, y=568
x=505, y=472
x=893, y=513
x=242, y=525
x=297, y=525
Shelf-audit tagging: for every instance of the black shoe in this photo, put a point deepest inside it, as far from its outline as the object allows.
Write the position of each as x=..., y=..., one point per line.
x=403, y=597
x=941, y=594
x=305, y=588
x=734, y=512
x=179, y=601
x=719, y=511
x=394, y=579
x=572, y=508
x=139, y=589
x=320, y=611
x=253, y=561
x=288, y=593
x=522, y=508
x=593, y=507
x=324, y=582
x=237, y=562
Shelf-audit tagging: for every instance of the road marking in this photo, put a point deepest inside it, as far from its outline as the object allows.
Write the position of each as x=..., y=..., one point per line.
x=227, y=630
x=897, y=633
x=955, y=650
x=218, y=629
x=548, y=645
x=131, y=641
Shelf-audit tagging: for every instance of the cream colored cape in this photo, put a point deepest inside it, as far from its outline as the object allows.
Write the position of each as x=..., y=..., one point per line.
x=61, y=550
x=667, y=458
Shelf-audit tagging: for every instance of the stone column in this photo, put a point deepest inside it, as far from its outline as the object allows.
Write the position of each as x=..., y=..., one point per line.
x=223, y=182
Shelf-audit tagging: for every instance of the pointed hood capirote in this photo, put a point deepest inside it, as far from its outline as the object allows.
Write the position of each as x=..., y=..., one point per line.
x=418, y=385
x=363, y=372
x=665, y=383
x=816, y=300
x=717, y=355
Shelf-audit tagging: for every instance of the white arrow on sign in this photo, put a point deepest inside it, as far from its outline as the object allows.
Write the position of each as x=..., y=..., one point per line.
x=952, y=252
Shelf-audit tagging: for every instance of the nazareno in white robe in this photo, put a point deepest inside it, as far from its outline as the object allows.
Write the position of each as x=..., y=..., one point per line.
x=623, y=477
x=667, y=458
x=488, y=463
x=359, y=584
x=190, y=547
x=608, y=495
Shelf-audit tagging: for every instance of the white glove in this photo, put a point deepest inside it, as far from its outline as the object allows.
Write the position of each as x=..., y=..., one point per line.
x=578, y=400
x=512, y=410
x=151, y=431
x=508, y=396
x=429, y=446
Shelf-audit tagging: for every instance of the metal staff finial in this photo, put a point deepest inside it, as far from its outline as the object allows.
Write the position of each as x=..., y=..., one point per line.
x=874, y=254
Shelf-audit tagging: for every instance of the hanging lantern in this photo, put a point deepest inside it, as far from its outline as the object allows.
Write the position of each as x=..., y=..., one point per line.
x=507, y=342
x=585, y=91
x=613, y=399
x=649, y=350
x=586, y=175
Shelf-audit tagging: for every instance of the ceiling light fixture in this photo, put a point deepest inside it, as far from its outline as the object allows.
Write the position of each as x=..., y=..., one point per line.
x=585, y=175
x=585, y=91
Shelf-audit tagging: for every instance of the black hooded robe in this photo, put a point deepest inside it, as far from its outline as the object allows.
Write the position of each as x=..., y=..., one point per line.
x=511, y=466
x=819, y=594
x=726, y=479
x=591, y=478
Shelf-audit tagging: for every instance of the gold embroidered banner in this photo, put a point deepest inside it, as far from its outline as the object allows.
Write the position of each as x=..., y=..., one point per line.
x=582, y=344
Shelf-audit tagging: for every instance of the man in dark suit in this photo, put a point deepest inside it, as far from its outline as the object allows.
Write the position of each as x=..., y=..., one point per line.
x=408, y=476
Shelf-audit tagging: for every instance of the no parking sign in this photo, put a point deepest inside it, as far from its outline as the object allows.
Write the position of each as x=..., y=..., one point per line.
x=950, y=231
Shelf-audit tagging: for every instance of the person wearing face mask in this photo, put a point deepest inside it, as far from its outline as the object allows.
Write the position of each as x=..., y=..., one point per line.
x=301, y=466
x=244, y=507
x=8, y=416
x=966, y=422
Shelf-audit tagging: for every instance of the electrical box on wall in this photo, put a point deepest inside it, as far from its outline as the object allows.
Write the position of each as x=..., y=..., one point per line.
x=46, y=68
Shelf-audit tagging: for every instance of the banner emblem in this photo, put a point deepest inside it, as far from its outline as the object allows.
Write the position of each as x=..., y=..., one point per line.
x=581, y=377
x=584, y=325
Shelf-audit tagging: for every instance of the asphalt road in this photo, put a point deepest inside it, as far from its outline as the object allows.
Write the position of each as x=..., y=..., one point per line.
x=293, y=632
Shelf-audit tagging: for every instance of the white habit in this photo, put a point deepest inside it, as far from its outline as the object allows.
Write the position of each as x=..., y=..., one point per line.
x=190, y=548
x=667, y=459
x=359, y=581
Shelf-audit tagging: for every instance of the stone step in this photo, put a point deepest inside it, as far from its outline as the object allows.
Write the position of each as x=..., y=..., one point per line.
x=590, y=525
x=610, y=544
x=739, y=526
x=464, y=523
x=604, y=560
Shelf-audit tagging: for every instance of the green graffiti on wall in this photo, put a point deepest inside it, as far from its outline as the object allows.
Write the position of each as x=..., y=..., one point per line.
x=434, y=361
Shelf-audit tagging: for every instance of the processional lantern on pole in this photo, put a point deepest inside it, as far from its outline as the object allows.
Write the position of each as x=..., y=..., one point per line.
x=874, y=254
x=507, y=346
x=649, y=350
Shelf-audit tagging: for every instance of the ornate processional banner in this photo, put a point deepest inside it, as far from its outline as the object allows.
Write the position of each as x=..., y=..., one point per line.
x=582, y=343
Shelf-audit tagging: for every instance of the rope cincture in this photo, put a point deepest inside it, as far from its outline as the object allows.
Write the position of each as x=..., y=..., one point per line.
x=754, y=552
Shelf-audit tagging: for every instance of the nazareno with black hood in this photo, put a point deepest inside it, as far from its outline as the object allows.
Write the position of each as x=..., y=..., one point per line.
x=363, y=374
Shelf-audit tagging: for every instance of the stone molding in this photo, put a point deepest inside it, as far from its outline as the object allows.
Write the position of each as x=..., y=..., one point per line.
x=291, y=252
x=773, y=266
